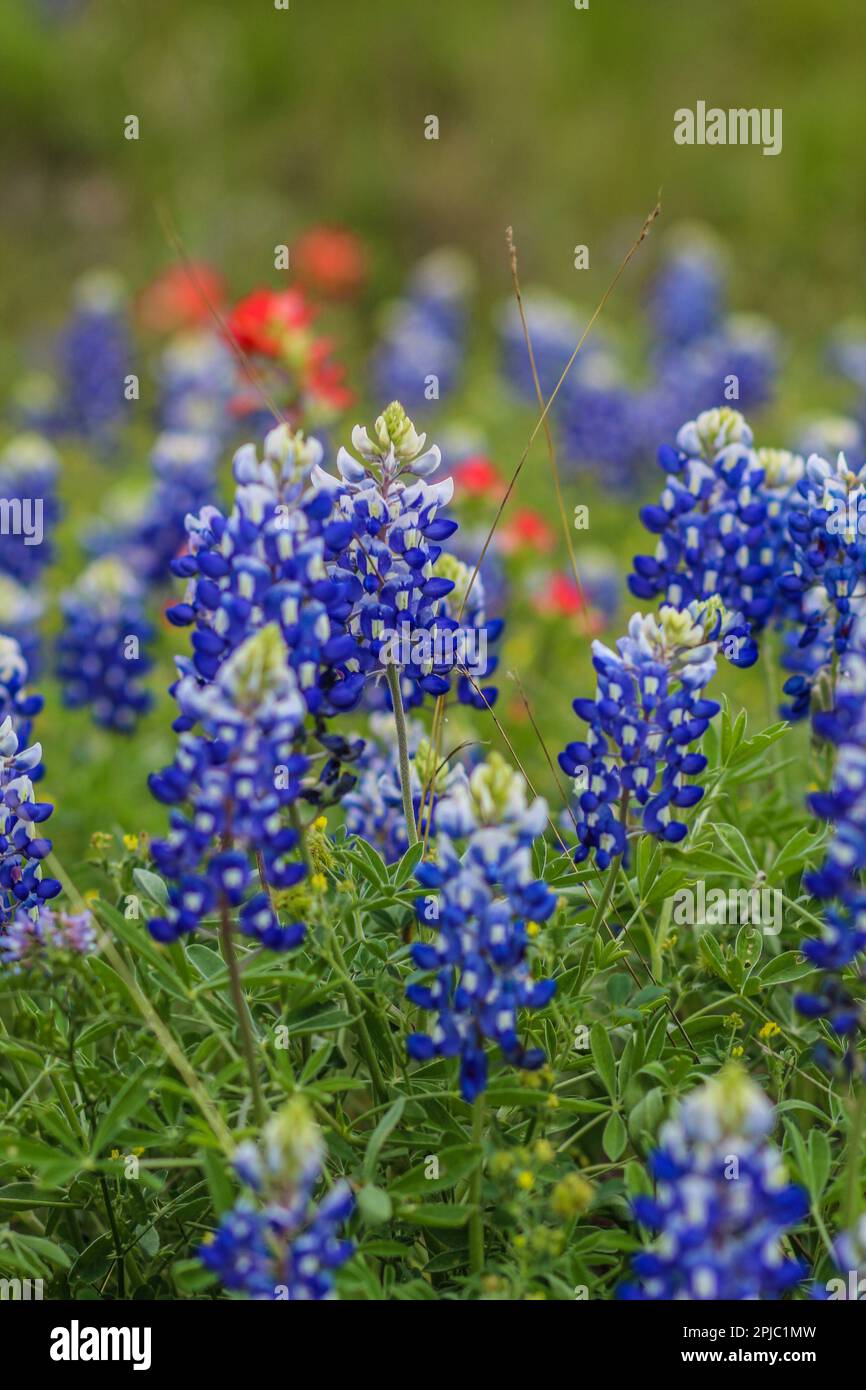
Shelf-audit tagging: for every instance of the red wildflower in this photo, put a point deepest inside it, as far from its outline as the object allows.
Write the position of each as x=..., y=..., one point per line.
x=325, y=378
x=266, y=320
x=178, y=298
x=477, y=475
x=560, y=597
x=527, y=529
x=331, y=261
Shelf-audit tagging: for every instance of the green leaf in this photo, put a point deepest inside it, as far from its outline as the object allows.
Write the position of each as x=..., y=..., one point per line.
x=131, y=1098
x=151, y=886
x=454, y=1164
x=389, y=1120
x=374, y=1205
x=790, y=965
x=435, y=1214
x=407, y=865
x=191, y=1276
x=820, y=1161
x=602, y=1055
x=712, y=953
x=614, y=1139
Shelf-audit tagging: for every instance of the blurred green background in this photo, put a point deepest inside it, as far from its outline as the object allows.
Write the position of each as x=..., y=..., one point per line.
x=256, y=122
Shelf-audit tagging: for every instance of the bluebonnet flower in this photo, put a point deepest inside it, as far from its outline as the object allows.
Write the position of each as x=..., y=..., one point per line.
x=100, y=651
x=196, y=376
x=421, y=351
x=149, y=532
x=373, y=808
x=283, y=1245
x=686, y=297
x=837, y=953
x=712, y=522
x=388, y=525
x=272, y=559
x=95, y=359
x=829, y=560
x=648, y=711
x=480, y=905
x=34, y=940
x=29, y=466
x=554, y=328
x=849, y=1254
x=17, y=701
x=723, y=1205
x=22, y=611
x=599, y=418
x=22, y=847
x=239, y=777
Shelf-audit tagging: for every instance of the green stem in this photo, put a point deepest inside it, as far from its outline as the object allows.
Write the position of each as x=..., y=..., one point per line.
x=355, y=1001
x=243, y=1013
x=598, y=916
x=149, y=1013
x=855, y=1140
x=403, y=750
x=476, y=1220
x=297, y=826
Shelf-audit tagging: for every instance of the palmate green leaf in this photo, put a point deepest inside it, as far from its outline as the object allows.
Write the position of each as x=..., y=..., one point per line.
x=51, y=1166
x=317, y=1020
x=614, y=1138
x=406, y=867
x=800, y=851
x=31, y=1254
x=455, y=1164
x=435, y=1214
x=388, y=1122
x=152, y=886
x=790, y=965
x=603, y=1056
x=25, y=1196
x=712, y=953
x=374, y=1205
x=132, y=1097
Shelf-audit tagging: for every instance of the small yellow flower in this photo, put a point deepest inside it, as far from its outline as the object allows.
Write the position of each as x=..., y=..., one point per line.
x=92, y=895
x=500, y=1163
x=519, y=1242
x=138, y=1152
x=320, y=823
x=208, y=1238
x=552, y=1102
x=737, y=1051
x=526, y=1180
x=318, y=883
x=571, y=1196
x=532, y=929
x=130, y=842
x=769, y=1030
x=544, y=1151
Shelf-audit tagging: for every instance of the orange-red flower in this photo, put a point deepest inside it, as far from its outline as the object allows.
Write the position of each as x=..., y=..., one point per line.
x=477, y=476
x=180, y=297
x=526, y=530
x=331, y=261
